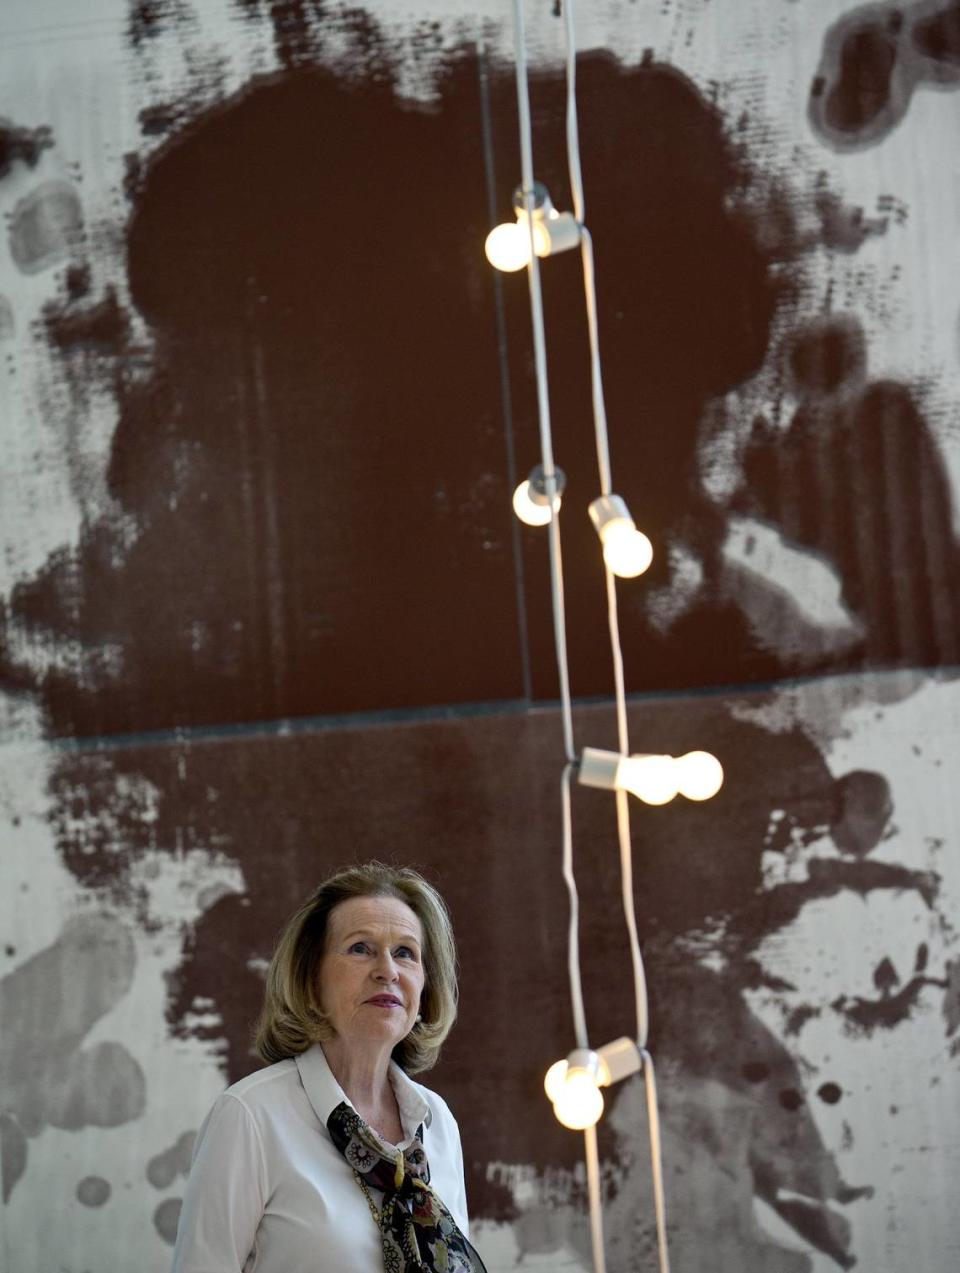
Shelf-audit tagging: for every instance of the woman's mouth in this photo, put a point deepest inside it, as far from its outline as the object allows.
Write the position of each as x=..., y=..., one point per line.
x=385, y=1001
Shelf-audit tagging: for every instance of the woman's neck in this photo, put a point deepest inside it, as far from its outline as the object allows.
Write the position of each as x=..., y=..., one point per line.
x=364, y=1077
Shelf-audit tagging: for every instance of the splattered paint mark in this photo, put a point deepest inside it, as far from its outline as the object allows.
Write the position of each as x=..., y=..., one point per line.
x=864, y=1016
x=45, y=227
x=296, y=25
x=103, y=325
x=164, y=1168
x=93, y=1191
x=48, y=1006
x=798, y=1018
x=844, y=228
x=7, y=323
x=25, y=144
x=829, y=1093
x=166, y=1218
x=826, y=1229
x=828, y=357
x=149, y=18
x=858, y=478
x=864, y=807
x=938, y=36
x=951, y=1000
x=872, y=61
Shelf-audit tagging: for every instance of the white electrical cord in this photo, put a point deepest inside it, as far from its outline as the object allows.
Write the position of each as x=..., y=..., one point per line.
x=603, y=465
x=559, y=624
x=573, y=934
x=543, y=396
x=559, y=617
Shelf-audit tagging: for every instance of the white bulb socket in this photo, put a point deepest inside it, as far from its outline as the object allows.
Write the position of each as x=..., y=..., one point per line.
x=626, y=550
x=537, y=499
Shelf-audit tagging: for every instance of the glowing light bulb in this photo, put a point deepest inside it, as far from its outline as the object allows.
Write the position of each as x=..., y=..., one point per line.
x=554, y=1079
x=653, y=779
x=508, y=246
x=700, y=775
x=530, y=500
x=530, y=510
x=626, y=550
x=580, y=1102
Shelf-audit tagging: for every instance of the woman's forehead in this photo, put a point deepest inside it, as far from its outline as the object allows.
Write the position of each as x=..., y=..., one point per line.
x=375, y=915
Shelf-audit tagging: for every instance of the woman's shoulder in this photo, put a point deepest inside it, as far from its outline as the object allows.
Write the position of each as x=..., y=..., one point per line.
x=264, y=1085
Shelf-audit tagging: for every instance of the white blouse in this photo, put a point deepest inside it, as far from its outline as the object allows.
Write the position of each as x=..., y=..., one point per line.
x=269, y=1192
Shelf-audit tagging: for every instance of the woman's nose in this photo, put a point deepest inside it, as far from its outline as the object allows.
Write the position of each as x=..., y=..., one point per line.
x=386, y=969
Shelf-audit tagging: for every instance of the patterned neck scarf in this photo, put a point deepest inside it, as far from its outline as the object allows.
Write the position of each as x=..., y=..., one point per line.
x=417, y=1232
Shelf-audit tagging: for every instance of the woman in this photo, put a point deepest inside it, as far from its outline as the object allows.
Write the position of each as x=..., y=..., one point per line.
x=332, y=1158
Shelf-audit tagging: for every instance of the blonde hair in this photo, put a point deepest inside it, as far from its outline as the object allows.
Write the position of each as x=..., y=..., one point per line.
x=292, y=1019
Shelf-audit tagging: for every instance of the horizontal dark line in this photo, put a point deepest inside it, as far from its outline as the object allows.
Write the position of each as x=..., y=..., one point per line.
x=293, y=726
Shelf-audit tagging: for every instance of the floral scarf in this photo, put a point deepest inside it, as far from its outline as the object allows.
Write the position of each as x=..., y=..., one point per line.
x=417, y=1231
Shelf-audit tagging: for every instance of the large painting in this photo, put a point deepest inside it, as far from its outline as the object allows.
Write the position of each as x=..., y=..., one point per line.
x=266, y=610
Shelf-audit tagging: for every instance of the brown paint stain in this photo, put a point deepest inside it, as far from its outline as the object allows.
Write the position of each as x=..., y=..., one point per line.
x=873, y=59
x=104, y=324
x=25, y=145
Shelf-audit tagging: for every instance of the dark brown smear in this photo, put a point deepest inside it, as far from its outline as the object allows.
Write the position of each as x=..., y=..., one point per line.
x=296, y=26
x=104, y=324
x=148, y=18
x=863, y=807
x=317, y=465
x=867, y=59
x=938, y=36
x=25, y=144
x=864, y=1016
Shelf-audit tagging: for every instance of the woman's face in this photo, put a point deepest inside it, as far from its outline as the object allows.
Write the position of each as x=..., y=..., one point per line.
x=371, y=973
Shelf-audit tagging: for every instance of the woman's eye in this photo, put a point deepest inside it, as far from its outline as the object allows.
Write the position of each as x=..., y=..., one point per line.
x=404, y=952
x=358, y=948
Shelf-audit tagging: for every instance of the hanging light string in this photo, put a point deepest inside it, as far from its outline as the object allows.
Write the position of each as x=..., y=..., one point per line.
x=559, y=618
x=604, y=470
x=559, y=622
x=543, y=395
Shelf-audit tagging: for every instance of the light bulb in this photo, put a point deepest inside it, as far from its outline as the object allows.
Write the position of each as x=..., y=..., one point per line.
x=699, y=775
x=530, y=510
x=626, y=550
x=579, y=1103
x=554, y=1079
x=654, y=779
x=508, y=246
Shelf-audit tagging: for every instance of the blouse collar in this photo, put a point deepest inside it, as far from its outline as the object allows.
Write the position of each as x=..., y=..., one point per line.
x=325, y=1093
